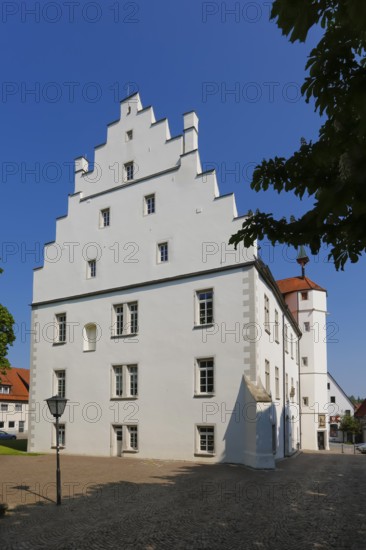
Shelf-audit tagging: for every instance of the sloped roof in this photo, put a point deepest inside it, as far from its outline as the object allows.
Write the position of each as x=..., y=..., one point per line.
x=297, y=284
x=18, y=380
x=361, y=411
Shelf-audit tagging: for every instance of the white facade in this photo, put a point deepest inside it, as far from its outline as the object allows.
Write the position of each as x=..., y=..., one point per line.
x=14, y=394
x=339, y=405
x=167, y=342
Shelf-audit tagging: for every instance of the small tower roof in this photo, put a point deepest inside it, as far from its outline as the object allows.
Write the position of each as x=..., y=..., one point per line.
x=297, y=284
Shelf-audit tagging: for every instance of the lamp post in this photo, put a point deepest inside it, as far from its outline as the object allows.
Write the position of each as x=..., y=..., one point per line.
x=56, y=405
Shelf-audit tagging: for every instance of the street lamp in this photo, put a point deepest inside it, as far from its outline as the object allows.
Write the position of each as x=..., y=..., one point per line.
x=56, y=405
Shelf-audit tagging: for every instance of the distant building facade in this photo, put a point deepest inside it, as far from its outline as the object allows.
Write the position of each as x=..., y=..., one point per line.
x=167, y=342
x=14, y=397
x=339, y=405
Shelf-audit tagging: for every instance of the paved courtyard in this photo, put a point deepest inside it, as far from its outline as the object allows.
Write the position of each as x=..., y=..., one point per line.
x=312, y=501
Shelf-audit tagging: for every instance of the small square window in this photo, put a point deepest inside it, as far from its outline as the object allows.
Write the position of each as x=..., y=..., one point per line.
x=105, y=217
x=305, y=401
x=162, y=253
x=149, y=204
x=92, y=269
x=18, y=407
x=1, y=424
x=304, y=296
x=4, y=407
x=12, y=424
x=332, y=399
x=129, y=135
x=304, y=361
x=129, y=171
x=328, y=385
x=307, y=326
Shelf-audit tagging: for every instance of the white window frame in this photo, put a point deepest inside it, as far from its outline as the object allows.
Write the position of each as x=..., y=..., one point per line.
x=62, y=435
x=266, y=314
x=149, y=204
x=277, y=382
x=163, y=252
x=129, y=378
x=132, y=430
x=18, y=407
x=203, y=430
x=129, y=314
x=277, y=328
x=11, y=424
x=5, y=389
x=61, y=327
x=60, y=382
x=267, y=376
x=208, y=319
x=200, y=368
x=4, y=407
x=128, y=171
x=105, y=218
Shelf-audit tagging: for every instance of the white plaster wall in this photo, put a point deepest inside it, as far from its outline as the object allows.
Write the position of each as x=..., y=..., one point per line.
x=11, y=415
x=342, y=403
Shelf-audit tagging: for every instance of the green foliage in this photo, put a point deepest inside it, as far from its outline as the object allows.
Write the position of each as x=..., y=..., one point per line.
x=7, y=336
x=331, y=171
x=350, y=424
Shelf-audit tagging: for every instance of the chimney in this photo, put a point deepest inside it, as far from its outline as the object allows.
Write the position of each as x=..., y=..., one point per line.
x=190, y=135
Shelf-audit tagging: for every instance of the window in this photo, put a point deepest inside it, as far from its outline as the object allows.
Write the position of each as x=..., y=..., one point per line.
x=129, y=171
x=297, y=351
x=149, y=204
x=347, y=412
x=266, y=313
x=61, y=328
x=206, y=440
x=18, y=407
x=286, y=389
x=205, y=376
x=292, y=345
x=304, y=362
x=4, y=389
x=125, y=381
x=305, y=401
x=90, y=337
x=297, y=391
x=277, y=326
x=267, y=376
x=4, y=407
x=92, y=269
x=60, y=383
x=292, y=391
x=304, y=295
x=328, y=385
x=277, y=382
x=133, y=438
x=12, y=424
x=125, y=319
x=307, y=326
x=285, y=336
x=205, y=307
x=1, y=424
x=332, y=399
x=105, y=217
x=162, y=252
x=129, y=135
x=61, y=435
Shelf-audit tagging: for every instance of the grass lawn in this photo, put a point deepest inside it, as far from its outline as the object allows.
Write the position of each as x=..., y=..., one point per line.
x=15, y=447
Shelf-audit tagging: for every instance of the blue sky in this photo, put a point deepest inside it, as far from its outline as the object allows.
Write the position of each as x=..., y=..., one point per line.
x=64, y=67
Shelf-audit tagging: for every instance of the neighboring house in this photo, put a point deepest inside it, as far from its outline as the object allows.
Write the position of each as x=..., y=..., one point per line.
x=338, y=405
x=360, y=413
x=14, y=397
x=167, y=342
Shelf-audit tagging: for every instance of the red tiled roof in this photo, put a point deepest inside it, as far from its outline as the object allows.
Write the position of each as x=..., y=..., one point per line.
x=18, y=379
x=297, y=284
x=361, y=411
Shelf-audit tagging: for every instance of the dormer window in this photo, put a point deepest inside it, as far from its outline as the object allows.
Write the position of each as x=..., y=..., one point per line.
x=4, y=389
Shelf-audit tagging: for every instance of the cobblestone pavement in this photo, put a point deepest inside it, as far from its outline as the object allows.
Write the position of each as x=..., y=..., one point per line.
x=313, y=501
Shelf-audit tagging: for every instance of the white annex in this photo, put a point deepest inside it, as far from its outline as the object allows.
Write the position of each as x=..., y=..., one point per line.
x=168, y=343
x=339, y=405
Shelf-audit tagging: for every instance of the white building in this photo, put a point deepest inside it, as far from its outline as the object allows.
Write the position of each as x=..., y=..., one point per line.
x=167, y=342
x=338, y=405
x=14, y=396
